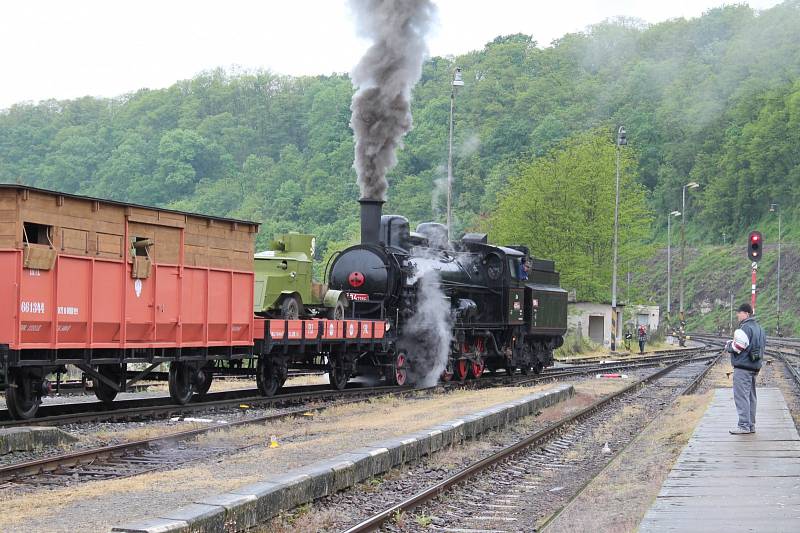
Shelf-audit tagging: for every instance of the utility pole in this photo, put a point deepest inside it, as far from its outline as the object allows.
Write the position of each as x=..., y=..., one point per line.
x=691, y=185
x=457, y=82
x=621, y=141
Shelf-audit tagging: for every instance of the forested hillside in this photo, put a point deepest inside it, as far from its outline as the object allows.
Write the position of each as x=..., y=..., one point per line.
x=714, y=99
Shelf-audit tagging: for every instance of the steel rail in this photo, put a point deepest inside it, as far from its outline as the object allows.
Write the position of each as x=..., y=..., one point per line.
x=545, y=434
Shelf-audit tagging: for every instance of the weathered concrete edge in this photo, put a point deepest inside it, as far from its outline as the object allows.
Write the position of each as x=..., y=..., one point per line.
x=29, y=438
x=250, y=505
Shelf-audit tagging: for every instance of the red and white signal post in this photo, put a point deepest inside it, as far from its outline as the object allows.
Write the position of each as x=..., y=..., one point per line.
x=755, y=245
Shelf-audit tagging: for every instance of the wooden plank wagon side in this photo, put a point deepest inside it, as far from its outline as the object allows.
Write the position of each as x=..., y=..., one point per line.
x=101, y=284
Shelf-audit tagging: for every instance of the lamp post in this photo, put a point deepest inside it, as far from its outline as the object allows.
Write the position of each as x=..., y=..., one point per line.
x=622, y=140
x=457, y=82
x=669, y=263
x=690, y=185
x=773, y=208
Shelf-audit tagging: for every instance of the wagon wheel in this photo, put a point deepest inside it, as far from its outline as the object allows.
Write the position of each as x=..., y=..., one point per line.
x=103, y=391
x=511, y=370
x=181, y=386
x=22, y=398
x=268, y=379
x=461, y=369
x=204, y=377
x=476, y=369
x=398, y=372
x=337, y=372
x=290, y=307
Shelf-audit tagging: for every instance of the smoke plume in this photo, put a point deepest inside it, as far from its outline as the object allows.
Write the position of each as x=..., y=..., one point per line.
x=428, y=333
x=381, y=107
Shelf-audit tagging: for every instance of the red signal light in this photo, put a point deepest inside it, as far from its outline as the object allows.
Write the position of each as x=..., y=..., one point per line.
x=754, y=238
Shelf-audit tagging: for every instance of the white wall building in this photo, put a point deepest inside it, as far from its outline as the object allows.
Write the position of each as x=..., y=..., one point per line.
x=593, y=320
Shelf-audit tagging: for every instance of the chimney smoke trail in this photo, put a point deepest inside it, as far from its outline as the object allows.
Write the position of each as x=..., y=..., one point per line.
x=381, y=106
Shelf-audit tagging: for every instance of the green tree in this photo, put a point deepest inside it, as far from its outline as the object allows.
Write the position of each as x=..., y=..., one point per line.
x=562, y=206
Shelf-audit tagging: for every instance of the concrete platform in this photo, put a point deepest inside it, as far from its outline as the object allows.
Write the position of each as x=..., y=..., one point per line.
x=26, y=439
x=250, y=505
x=732, y=483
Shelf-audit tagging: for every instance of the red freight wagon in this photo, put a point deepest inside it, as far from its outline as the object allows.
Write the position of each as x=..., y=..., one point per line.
x=100, y=284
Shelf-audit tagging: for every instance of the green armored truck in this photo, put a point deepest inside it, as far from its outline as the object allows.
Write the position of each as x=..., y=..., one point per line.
x=284, y=285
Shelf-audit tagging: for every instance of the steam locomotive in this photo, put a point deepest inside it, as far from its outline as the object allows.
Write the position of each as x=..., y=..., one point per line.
x=505, y=310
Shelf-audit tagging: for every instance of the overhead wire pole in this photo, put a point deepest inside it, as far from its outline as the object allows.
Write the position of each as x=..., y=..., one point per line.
x=621, y=141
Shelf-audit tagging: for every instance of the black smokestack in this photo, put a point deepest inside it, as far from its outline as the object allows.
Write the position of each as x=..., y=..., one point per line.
x=385, y=75
x=370, y=220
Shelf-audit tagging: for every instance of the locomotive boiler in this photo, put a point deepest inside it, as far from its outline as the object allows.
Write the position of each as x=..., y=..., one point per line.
x=504, y=308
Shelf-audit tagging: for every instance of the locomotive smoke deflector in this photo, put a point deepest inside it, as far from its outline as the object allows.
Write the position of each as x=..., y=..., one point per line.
x=370, y=220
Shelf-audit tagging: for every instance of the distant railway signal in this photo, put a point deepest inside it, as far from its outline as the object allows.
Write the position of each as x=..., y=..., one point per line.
x=755, y=245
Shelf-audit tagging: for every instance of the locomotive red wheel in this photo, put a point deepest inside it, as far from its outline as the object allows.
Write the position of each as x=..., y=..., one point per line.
x=461, y=369
x=476, y=369
x=400, y=370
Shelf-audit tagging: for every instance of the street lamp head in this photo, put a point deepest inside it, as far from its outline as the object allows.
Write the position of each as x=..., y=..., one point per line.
x=676, y=213
x=692, y=185
x=457, y=81
x=622, y=139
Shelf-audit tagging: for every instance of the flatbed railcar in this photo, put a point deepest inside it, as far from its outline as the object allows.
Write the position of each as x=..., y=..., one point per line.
x=110, y=286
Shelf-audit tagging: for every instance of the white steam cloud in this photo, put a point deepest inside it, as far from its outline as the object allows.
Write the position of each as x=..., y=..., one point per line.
x=428, y=333
x=381, y=107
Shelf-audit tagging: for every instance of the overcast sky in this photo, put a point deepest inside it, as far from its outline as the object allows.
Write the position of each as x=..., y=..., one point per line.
x=65, y=49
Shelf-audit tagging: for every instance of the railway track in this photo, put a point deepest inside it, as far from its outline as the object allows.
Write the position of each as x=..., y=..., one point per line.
x=493, y=497
x=146, y=455
x=162, y=406
x=164, y=451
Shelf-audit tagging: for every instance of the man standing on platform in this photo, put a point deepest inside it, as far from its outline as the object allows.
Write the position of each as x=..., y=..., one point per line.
x=747, y=354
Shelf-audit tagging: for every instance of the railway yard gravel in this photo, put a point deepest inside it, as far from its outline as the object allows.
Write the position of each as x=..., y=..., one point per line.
x=98, y=505
x=342, y=510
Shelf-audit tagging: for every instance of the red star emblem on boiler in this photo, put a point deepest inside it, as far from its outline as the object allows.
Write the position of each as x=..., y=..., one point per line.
x=356, y=279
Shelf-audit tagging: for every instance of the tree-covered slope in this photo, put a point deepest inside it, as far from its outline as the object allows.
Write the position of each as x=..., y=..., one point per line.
x=713, y=99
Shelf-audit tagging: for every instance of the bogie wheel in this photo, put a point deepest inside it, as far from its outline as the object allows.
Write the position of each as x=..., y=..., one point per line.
x=337, y=373
x=461, y=369
x=398, y=373
x=290, y=307
x=337, y=312
x=525, y=369
x=22, y=400
x=476, y=369
x=103, y=391
x=181, y=382
x=203, y=382
x=268, y=378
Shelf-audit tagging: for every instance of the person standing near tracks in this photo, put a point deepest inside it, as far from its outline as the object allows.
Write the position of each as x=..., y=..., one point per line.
x=747, y=354
x=642, y=338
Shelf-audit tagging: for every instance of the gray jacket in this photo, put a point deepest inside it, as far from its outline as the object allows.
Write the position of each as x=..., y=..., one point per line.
x=751, y=357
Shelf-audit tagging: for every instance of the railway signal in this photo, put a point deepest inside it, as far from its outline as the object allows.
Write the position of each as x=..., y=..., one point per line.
x=754, y=246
